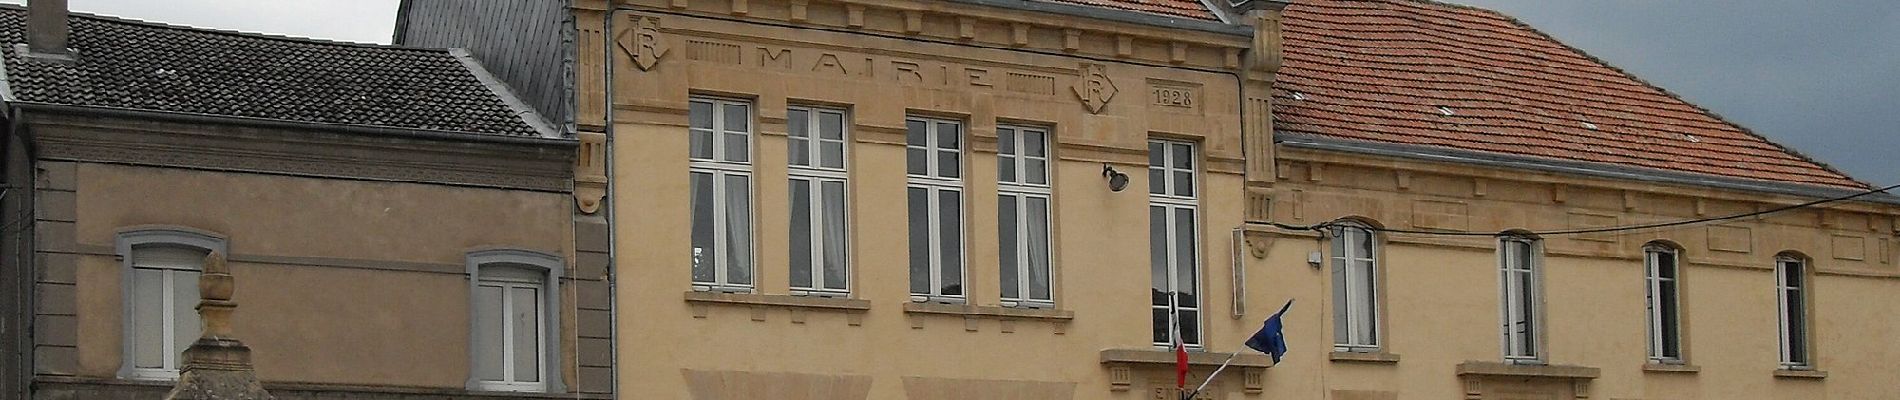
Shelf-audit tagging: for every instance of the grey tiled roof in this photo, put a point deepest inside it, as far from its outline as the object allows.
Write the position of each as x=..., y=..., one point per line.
x=146, y=66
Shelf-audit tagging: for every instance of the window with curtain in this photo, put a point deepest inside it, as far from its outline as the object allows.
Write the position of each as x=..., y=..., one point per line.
x=1791, y=290
x=1174, y=242
x=720, y=132
x=1660, y=282
x=1022, y=187
x=163, y=307
x=934, y=195
x=511, y=331
x=817, y=143
x=1519, y=279
x=1355, y=289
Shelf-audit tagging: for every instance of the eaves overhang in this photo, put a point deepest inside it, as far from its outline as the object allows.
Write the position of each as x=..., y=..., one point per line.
x=1599, y=170
x=1107, y=14
x=370, y=130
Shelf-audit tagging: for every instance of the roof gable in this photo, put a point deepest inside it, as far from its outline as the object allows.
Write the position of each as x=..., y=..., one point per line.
x=129, y=64
x=1435, y=74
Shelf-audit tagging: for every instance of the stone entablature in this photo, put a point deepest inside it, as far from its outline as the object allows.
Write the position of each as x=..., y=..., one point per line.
x=974, y=25
x=1845, y=238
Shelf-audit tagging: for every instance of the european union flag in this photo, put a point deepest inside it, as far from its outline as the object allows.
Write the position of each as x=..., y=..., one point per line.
x=1270, y=339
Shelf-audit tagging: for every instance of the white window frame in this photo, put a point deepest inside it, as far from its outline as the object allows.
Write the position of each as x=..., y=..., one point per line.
x=934, y=182
x=1022, y=189
x=131, y=240
x=818, y=175
x=1170, y=203
x=1354, y=273
x=1792, y=318
x=1511, y=305
x=551, y=269
x=1653, y=281
x=718, y=170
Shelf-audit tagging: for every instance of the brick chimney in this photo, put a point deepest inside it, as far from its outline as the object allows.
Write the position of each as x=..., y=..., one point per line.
x=46, y=29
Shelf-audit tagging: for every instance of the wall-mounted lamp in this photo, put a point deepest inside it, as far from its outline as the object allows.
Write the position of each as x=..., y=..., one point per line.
x=1116, y=179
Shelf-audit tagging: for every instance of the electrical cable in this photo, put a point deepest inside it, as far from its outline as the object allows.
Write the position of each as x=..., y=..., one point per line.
x=1580, y=231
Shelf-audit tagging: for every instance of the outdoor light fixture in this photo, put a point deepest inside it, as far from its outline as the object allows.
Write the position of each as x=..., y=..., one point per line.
x=1116, y=179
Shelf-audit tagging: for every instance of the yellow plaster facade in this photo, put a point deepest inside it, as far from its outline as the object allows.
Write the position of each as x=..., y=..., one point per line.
x=881, y=62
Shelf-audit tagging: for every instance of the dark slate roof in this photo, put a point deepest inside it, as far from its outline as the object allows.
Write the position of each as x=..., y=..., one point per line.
x=139, y=65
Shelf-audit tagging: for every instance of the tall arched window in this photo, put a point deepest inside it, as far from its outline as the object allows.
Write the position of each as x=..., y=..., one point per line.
x=515, y=321
x=160, y=267
x=1355, y=289
x=1520, y=279
x=1791, y=291
x=1661, y=283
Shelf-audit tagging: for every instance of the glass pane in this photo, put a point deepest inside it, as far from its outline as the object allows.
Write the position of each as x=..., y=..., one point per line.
x=798, y=151
x=738, y=230
x=831, y=125
x=1190, y=326
x=736, y=148
x=1005, y=141
x=1033, y=144
x=1034, y=172
x=1797, y=329
x=1527, y=298
x=1365, y=304
x=800, y=245
x=703, y=260
x=950, y=215
x=1006, y=169
x=148, y=318
x=1184, y=257
x=797, y=122
x=1791, y=274
x=699, y=115
x=915, y=133
x=1342, y=332
x=949, y=135
x=737, y=118
x=1666, y=264
x=831, y=154
x=702, y=144
x=1362, y=243
x=1007, y=243
x=916, y=162
x=487, y=339
x=1157, y=181
x=1671, y=336
x=837, y=270
x=1160, y=316
x=185, y=325
x=919, y=240
x=949, y=164
x=526, y=317
x=1158, y=254
x=1184, y=183
x=1156, y=155
x=1039, y=249
x=1183, y=156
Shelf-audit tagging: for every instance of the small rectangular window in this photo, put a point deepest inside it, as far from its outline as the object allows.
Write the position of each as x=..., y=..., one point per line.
x=819, y=251
x=1023, y=196
x=1791, y=291
x=164, y=292
x=1355, y=291
x=510, y=330
x=1521, y=299
x=1665, y=319
x=721, y=167
x=934, y=155
x=1173, y=243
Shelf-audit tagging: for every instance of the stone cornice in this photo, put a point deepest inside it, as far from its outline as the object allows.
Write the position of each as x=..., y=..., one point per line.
x=1058, y=29
x=77, y=135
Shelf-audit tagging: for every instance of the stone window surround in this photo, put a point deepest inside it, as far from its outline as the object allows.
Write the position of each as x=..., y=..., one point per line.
x=554, y=267
x=132, y=237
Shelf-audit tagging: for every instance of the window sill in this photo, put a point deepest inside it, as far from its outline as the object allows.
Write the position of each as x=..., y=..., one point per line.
x=1800, y=374
x=1195, y=358
x=1491, y=368
x=989, y=311
x=1671, y=368
x=1364, y=357
x=805, y=302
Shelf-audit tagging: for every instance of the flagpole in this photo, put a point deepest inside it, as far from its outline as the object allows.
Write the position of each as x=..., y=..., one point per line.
x=1210, y=377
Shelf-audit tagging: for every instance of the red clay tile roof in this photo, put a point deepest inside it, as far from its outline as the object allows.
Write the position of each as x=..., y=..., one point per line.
x=1380, y=70
x=1191, y=9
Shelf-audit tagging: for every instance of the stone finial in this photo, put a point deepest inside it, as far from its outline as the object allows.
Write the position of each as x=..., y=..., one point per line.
x=217, y=366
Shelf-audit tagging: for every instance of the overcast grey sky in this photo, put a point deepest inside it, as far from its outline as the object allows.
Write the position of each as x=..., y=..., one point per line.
x=1821, y=77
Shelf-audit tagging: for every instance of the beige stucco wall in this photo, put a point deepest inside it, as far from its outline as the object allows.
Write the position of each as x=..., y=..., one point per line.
x=339, y=281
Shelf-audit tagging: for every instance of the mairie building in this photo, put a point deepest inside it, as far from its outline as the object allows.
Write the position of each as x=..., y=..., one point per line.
x=1002, y=199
